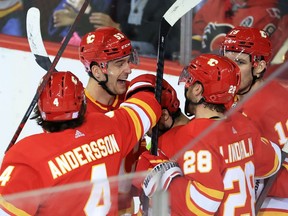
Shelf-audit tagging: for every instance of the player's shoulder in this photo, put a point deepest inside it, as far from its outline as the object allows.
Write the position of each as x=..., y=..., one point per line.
x=242, y=123
x=26, y=148
x=267, y=99
x=96, y=119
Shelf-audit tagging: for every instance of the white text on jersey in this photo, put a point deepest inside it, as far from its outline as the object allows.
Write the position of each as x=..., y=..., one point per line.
x=238, y=151
x=82, y=155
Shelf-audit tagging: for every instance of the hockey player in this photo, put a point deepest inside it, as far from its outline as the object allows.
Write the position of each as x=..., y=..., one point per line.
x=216, y=154
x=172, y=115
x=107, y=55
x=77, y=148
x=251, y=49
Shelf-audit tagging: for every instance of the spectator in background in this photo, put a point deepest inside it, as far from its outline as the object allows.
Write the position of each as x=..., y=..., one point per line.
x=141, y=24
x=209, y=28
x=65, y=13
x=138, y=19
x=12, y=17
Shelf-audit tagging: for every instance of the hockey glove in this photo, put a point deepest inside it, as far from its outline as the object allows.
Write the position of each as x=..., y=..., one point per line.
x=161, y=172
x=147, y=82
x=146, y=162
x=160, y=177
x=141, y=83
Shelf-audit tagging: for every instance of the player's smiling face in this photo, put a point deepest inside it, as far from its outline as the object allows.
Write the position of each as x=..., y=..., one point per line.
x=244, y=62
x=118, y=71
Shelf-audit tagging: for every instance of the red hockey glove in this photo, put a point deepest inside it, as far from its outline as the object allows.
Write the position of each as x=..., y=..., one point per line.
x=147, y=82
x=141, y=83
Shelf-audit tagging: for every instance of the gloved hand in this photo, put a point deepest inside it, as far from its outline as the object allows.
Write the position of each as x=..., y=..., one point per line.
x=160, y=177
x=146, y=162
x=147, y=82
x=161, y=173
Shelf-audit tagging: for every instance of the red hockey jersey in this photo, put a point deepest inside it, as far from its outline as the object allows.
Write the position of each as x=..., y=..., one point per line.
x=267, y=108
x=219, y=167
x=86, y=156
x=96, y=106
x=129, y=162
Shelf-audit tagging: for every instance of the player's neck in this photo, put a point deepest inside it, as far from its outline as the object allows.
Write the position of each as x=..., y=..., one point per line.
x=96, y=92
x=181, y=120
x=205, y=112
x=256, y=86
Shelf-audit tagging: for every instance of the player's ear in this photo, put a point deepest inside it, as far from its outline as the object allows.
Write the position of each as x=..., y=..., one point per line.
x=197, y=89
x=259, y=68
x=165, y=114
x=96, y=71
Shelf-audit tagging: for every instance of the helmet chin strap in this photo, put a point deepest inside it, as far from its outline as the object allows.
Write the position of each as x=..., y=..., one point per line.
x=188, y=102
x=254, y=79
x=103, y=84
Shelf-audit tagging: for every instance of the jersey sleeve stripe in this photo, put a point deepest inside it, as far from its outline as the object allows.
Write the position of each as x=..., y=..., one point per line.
x=136, y=122
x=211, y=192
x=11, y=208
x=192, y=206
x=146, y=121
x=204, y=202
x=145, y=106
x=277, y=160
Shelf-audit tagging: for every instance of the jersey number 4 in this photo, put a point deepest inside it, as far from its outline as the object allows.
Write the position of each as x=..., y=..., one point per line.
x=99, y=201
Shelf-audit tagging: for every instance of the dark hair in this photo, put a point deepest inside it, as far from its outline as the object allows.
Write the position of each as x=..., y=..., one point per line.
x=217, y=107
x=57, y=126
x=176, y=114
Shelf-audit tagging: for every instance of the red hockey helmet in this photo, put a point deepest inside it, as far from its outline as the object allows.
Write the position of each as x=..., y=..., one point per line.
x=249, y=40
x=61, y=98
x=219, y=76
x=103, y=45
x=169, y=98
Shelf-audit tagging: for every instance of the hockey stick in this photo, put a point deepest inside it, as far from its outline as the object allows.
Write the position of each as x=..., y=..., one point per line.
x=172, y=15
x=47, y=76
x=271, y=180
x=35, y=38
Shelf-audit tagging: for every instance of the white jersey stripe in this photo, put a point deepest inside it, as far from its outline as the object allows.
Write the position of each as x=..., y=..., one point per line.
x=203, y=201
x=144, y=118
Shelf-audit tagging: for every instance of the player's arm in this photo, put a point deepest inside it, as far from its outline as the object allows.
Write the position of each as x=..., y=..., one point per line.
x=191, y=190
x=195, y=193
x=135, y=117
x=16, y=178
x=189, y=197
x=267, y=158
